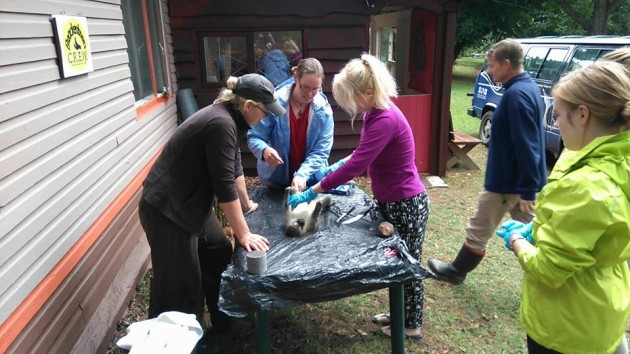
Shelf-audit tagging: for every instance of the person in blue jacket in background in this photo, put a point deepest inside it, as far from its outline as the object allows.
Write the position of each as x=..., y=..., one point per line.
x=291, y=147
x=271, y=62
x=516, y=168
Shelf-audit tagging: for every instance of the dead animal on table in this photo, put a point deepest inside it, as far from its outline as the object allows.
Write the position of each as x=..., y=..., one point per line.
x=302, y=219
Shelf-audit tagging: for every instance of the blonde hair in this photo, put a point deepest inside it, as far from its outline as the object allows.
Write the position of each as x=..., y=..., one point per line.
x=360, y=75
x=619, y=55
x=603, y=87
x=226, y=95
x=288, y=43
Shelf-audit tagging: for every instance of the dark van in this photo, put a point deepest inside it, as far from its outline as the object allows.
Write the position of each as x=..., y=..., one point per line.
x=546, y=60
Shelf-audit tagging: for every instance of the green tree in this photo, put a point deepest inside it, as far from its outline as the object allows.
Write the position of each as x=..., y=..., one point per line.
x=483, y=22
x=591, y=15
x=618, y=21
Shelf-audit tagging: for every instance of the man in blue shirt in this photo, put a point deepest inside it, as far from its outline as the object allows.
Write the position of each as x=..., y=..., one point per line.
x=516, y=168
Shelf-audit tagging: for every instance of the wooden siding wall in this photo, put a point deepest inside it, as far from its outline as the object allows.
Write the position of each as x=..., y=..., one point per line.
x=68, y=148
x=83, y=313
x=333, y=31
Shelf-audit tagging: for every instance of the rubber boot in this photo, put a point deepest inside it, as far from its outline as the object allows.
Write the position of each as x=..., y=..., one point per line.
x=455, y=272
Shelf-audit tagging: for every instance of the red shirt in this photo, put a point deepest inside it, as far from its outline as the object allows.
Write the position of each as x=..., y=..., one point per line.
x=297, y=150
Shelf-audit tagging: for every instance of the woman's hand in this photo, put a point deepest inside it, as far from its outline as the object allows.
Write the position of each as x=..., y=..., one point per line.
x=298, y=184
x=254, y=242
x=513, y=227
x=271, y=156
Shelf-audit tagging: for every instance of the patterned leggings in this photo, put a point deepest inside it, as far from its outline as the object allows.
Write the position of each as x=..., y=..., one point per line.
x=409, y=217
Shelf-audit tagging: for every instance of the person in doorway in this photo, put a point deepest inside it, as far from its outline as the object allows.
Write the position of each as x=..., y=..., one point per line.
x=387, y=151
x=516, y=168
x=290, y=147
x=201, y=161
x=576, y=285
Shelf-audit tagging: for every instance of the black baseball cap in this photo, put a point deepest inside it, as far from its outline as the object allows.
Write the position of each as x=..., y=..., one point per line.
x=258, y=88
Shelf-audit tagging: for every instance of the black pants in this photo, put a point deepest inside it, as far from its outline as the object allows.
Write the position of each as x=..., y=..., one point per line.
x=185, y=267
x=215, y=253
x=535, y=348
x=409, y=217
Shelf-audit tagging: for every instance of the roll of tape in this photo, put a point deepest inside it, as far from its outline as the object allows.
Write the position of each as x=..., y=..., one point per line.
x=256, y=262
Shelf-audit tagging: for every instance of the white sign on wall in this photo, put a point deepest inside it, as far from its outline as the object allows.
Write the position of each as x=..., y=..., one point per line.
x=73, y=45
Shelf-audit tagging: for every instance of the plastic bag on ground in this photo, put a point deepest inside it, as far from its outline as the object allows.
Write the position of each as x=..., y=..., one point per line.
x=171, y=332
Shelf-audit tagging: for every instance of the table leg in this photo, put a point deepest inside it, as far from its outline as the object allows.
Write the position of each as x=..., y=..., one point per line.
x=397, y=316
x=460, y=153
x=263, y=343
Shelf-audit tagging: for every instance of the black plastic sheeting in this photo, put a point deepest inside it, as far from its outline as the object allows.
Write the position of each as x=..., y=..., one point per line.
x=334, y=262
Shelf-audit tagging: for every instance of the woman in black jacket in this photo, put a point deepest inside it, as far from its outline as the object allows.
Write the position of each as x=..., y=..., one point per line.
x=201, y=161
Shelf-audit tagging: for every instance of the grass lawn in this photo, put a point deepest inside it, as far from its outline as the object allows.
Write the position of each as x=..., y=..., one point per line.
x=479, y=316
x=464, y=73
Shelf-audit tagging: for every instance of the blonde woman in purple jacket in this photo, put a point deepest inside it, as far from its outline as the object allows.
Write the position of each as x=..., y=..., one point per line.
x=387, y=151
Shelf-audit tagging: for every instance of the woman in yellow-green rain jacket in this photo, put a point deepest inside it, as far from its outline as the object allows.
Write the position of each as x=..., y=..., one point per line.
x=576, y=287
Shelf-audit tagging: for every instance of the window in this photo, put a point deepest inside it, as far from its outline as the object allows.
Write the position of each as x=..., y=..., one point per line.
x=269, y=53
x=387, y=47
x=583, y=57
x=146, y=48
x=225, y=57
x=534, y=59
x=552, y=64
x=604, y=52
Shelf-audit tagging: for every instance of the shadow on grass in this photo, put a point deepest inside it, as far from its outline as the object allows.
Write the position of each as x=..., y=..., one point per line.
x=312, y=328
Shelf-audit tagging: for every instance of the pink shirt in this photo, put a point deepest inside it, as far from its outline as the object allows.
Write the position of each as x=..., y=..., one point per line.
x=387, y=151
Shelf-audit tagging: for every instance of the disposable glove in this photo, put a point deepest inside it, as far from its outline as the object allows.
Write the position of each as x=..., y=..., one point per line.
x=511, y=227
x=320, y=174
x=333, y=167
x=307, y=196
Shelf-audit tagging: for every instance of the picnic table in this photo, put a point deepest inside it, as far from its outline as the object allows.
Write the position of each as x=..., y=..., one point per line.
x=336, y=261
x=459, y=146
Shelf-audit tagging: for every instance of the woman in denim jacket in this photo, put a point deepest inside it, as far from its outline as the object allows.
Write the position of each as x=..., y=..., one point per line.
x=291, y=147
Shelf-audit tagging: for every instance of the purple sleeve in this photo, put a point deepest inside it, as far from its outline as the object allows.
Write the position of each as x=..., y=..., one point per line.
x=375, y=135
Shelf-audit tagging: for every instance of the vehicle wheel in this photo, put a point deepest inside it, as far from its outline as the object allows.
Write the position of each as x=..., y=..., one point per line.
x=485, y=127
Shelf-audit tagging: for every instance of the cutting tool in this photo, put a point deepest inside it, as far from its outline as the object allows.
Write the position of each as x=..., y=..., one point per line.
x=345, y=214
x=363, y=212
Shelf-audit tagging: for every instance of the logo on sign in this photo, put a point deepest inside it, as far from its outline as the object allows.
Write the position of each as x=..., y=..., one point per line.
x=76, y=48
x=73, y=45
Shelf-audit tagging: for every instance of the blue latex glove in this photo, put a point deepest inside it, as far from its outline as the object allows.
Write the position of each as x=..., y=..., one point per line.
x=320, y=174
x=333, y=167
x=512, y=227
x=307, y=196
